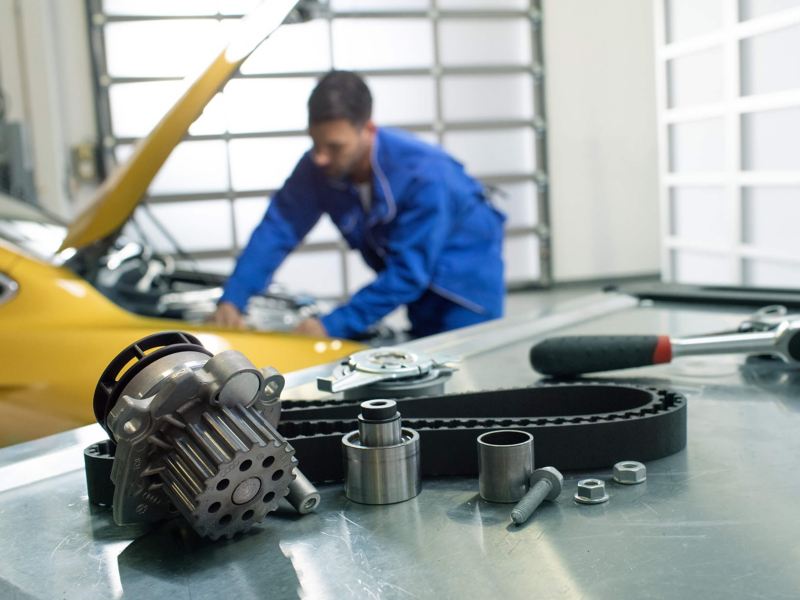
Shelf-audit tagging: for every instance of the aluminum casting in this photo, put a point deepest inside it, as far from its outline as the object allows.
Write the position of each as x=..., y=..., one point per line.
x=388, y=373
x=196, y=434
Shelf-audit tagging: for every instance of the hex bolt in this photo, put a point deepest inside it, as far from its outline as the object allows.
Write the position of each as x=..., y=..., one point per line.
x=545, y=485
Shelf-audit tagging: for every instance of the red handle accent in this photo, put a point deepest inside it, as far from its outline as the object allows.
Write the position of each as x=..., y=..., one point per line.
x=663, y=351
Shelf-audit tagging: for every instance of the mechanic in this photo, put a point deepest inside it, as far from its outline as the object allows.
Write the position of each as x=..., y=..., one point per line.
x=419, y=221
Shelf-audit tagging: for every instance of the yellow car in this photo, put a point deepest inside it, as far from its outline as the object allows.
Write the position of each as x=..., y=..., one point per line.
x=57, y=331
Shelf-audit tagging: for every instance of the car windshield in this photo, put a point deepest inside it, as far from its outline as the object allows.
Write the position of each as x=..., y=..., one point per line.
x=30, y=228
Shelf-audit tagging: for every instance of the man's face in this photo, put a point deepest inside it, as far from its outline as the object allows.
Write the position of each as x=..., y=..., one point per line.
x=340, y=147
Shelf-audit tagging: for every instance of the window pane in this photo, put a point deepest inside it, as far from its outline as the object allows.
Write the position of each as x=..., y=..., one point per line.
x=137, y=107
x=483, y=4
x=301, y=273
x=297, y=48
x=769, y=62
x=481, y=97
x=519, y=203
x=521, y=255
x=688, y=18
x=192, y=167
x=770, y=217
x=160, y=7
x=247, y=214
x=700, y=214
x=696, y=79
x=173, y=48
x=493, y=152
x=485, y=42
x=403, y=100
x=262, y=164
x=756, y=8
x=254, y=105
x=766, y=273
x=697, y=146
x=382, y=43
x=701, y=268
x=358, y=273
x=383, y=5
x=771, y=140
x=197, y=225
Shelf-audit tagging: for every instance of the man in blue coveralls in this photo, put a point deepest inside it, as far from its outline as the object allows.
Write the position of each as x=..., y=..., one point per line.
x=417, y=218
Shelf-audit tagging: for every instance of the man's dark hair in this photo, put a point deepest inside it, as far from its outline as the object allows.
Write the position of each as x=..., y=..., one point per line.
x=340, y=95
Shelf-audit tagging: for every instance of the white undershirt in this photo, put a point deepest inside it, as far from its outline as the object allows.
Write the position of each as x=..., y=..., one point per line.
x=365, y=195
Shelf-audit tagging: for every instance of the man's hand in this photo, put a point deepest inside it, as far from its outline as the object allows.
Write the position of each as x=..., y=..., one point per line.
x=227, y=315
x=312, y=327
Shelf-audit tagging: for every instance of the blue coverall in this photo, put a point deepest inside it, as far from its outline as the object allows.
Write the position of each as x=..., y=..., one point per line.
x=433, y=239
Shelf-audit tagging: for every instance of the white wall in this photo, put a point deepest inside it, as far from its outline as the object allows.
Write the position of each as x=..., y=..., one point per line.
x=601, y=106
x=45, y=74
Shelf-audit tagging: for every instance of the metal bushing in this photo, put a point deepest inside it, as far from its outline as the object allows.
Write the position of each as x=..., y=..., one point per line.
x=505, y=464
x=382, y=459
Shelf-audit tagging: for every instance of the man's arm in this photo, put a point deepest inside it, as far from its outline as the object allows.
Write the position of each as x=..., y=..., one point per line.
x=292, y=212
x=416, y=240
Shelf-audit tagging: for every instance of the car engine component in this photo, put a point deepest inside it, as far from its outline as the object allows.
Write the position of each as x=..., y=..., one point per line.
x=505, y=464
x=194, y=434
x=390, y=372
x=382, y=458
x=629, y=472
x=577, y=426
x=546, y=484
x=591, y=491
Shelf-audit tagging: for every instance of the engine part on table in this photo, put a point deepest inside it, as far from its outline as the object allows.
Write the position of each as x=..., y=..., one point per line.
x=382, y=458
x=195, y=434
x=303, y=496
x=629, y=472
x=505, y=464
x=577, y=426
x=546, y=484
x=98, y=459
x=388, y=373
x=591, y=491
x=575, y=355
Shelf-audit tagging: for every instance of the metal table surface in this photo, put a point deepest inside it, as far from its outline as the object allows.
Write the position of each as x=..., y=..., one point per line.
x=717, y=520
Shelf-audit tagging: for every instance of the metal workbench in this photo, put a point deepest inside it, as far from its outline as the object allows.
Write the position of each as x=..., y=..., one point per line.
x=718, y=520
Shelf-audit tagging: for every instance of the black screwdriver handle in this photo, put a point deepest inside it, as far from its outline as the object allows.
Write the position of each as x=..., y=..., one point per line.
x=573, y=355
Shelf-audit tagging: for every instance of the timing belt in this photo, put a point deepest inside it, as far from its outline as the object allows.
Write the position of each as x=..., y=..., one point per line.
x=575, y=426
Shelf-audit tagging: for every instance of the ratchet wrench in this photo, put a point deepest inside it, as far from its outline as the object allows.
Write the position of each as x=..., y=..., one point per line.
x=575, y=355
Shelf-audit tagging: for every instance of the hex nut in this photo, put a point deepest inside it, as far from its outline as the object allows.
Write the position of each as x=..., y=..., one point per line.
x=629, y=472
x=591, y=491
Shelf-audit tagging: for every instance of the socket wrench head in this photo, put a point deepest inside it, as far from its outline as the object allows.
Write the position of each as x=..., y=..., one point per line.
x=505, y=464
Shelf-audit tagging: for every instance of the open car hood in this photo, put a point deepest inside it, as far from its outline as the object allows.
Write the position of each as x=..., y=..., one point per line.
x=122, y=191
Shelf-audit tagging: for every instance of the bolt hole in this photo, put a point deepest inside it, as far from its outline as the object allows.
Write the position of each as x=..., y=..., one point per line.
x=268, y=462
x=629, y=466
x=214, y=507
x=277, y=475
x=310, y=504
x=269, y=497
x=245, y=465
x=247, y=515
x=225, y=520
x=223, y=484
